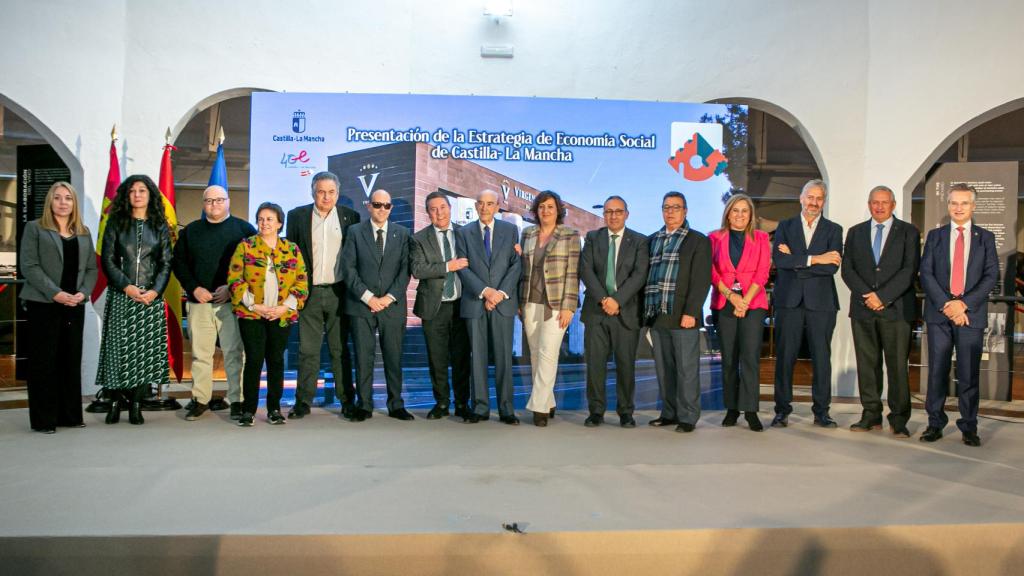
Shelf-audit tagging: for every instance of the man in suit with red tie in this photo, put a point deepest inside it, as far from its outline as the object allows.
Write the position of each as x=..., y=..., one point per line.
x=807, y=253
x=959, y=269
x=880, y=263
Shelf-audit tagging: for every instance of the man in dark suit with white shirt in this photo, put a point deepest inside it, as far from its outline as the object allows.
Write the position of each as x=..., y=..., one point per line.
x=438, y=295
x=613, y=267
x=959, y=269
x=320, y=230
x=490, y=304
x=375, y=267
x=880, y=261
x=807, y=253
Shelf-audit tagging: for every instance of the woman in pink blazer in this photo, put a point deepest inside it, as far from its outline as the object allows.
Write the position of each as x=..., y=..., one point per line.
x=740, y=261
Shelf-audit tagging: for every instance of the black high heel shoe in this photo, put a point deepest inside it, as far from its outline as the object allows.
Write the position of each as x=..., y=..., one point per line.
x=135, y=413
x=114, y=412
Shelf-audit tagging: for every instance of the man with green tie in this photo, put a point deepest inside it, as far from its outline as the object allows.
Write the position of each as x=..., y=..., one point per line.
x=613, y=267
x=438, y=295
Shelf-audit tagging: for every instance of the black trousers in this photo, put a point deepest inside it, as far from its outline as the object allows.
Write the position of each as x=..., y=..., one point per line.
x=323, y=314
x=54, y=365
x=741, y=357
x=942, y=338
x=448, y=345
x=876, y=339
x=391, y=331
x=603, y=337
x=263, y=341
x=791, y=324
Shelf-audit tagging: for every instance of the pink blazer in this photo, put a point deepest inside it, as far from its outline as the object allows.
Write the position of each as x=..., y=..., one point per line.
x=753, y=269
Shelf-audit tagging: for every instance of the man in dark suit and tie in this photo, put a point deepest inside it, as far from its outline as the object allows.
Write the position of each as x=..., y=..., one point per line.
x=807, y=253
x=613, y=267
x=433, y=262
x=880, y=263
x=490, y=304
x=375, y=267
x=959, y=269
x=320, y=230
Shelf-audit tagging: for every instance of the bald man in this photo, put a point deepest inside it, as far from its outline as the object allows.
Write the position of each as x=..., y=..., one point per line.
x=375, y=267
x=201, y=258
x=489, y=304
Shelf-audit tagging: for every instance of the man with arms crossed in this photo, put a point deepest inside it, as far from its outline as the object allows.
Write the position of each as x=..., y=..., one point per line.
x=879, y=267
x=807, y=253
x=613, y=267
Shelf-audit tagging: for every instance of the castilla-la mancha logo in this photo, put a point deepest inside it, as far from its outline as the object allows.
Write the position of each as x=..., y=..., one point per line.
x=298, y=122
x=698, y=150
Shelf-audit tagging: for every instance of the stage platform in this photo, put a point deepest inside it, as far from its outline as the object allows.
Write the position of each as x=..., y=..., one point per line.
x=322, y=495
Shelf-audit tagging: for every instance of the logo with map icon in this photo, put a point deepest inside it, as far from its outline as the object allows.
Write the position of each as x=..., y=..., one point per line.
x=698, y=150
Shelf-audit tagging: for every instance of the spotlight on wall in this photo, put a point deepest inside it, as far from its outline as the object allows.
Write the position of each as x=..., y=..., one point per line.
x=498, y=8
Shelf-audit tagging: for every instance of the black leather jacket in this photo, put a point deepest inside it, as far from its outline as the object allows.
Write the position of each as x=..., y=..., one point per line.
x=151, y=271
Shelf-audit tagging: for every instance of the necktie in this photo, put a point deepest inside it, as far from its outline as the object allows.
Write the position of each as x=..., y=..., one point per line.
x=449, y=278
x=380, y=242
x=609, y=275
x=876, y=247
x=956, y=283
x=487, y=242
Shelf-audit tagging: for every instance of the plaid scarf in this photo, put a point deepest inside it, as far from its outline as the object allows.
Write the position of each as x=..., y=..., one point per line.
x=661, y=277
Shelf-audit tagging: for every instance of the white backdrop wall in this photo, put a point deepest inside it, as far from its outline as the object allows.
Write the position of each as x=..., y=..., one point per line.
x=877, y=88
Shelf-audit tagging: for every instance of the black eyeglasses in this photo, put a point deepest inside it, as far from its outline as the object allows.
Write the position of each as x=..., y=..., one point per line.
x=379, y=205
x=214, y=200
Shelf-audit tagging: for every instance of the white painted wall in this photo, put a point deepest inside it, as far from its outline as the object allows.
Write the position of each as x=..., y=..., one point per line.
x=876, y=87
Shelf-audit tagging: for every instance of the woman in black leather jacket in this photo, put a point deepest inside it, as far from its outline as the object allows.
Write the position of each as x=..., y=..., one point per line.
x=136, y=257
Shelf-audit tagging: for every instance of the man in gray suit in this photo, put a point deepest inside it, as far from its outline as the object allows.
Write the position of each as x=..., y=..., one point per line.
x=490, y=283
x=613, y=267
x=437, y=303
x=375, y=268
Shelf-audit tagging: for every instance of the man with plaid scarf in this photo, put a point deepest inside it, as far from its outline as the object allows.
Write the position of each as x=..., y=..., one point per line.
x=677, y=285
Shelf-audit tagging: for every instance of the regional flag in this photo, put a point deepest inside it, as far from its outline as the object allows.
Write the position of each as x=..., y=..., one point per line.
x=219, y=174
x=109, y=192
x=172, y=295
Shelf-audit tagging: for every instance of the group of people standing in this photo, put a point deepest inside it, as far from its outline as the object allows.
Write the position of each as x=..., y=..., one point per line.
x=337, y=276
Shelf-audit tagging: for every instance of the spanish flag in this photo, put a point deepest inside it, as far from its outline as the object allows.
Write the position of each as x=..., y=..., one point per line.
x=109, y=193
x=172, y=295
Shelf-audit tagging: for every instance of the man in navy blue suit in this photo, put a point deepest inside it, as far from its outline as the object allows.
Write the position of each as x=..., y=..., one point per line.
x=807, y=253
x=959, y=269
x=489, y=304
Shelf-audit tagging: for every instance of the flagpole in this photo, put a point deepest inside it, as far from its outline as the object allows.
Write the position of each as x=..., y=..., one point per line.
x=101, y=401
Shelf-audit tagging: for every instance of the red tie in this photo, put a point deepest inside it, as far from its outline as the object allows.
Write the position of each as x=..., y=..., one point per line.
x=956, y=283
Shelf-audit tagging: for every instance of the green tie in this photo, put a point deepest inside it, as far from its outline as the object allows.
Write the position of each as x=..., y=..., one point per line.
x=609, y=275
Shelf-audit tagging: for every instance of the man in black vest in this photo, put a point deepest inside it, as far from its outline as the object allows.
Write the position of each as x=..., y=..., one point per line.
x=880, y=263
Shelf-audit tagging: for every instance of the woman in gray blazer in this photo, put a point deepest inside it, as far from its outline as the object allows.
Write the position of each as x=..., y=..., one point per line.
x=58, y=262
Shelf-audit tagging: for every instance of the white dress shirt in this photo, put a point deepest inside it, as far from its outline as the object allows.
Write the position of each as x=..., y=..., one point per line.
x=886, y=228
x=809, y=230
x=326, y=237
x=440, y=234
